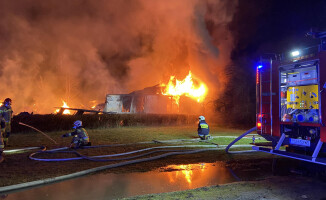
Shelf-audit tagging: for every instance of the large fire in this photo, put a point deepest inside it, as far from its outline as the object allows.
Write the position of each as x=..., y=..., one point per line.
x=176, y=89
x=65, y=112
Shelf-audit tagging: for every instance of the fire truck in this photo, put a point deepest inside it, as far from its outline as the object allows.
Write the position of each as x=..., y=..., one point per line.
x=291, y=103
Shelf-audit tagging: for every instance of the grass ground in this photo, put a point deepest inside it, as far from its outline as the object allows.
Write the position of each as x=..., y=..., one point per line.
x=122, y=135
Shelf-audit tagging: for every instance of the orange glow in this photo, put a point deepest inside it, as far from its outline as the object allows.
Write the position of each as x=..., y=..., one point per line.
x=185, y=171
x=258, y=124
x=65, y=112
x=185, y=87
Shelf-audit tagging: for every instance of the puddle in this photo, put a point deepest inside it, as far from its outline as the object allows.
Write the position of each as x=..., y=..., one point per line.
x=113, y=186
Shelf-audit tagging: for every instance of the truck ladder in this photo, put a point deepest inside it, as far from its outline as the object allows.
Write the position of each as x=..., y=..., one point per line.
x=265, y=98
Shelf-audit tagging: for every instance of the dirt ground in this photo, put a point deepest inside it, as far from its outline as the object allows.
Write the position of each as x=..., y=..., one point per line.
x=268, y=178
x=275, y=187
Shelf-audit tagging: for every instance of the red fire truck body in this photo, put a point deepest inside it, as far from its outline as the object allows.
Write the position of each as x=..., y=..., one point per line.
x=291, y=104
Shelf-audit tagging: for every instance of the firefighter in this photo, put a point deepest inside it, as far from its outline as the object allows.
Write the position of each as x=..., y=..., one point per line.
x=2, y=146
x=6, y=117
x=80, y=136
x=203, y=129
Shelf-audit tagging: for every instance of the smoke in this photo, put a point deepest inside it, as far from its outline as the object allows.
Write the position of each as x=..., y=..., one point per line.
x=80, y=50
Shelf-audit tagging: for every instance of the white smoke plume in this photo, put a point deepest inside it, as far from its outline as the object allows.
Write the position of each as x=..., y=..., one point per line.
x=80, y=50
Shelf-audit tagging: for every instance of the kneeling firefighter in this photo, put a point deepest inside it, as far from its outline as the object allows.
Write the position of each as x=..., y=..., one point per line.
x=80, y=136
x=203, y=129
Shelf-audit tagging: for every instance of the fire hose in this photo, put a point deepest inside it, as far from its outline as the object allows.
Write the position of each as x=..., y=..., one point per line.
x=237, y=139
x=96, y=158
x=38, y=131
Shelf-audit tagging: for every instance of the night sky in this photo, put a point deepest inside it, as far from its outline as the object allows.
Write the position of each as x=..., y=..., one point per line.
x=263, y=26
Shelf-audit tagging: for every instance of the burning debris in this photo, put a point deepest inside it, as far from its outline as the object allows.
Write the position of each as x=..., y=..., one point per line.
x=63, y=111
x=66, y=110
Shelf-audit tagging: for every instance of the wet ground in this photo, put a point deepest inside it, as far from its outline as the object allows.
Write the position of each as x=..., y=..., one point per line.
x=112, y=186
x=272, y=173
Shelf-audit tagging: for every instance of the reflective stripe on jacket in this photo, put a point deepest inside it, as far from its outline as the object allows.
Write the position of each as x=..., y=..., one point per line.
x=203, y=128
x=81, y=133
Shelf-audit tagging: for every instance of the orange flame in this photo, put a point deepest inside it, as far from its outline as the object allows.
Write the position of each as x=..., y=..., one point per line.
x=185, y=87
x=93, y=104
x=65, y=112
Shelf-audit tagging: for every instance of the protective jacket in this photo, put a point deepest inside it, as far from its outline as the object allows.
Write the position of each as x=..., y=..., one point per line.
x=6, y=113
x=5, y=121
x=203, y=128
x=80, y=137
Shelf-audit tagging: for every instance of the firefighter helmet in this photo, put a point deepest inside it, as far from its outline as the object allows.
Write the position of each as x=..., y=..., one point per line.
x=7, y=101
x=201, y=118
x=77, y=124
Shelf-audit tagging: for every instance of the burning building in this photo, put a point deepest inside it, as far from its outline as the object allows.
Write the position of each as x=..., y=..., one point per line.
x=176, y=97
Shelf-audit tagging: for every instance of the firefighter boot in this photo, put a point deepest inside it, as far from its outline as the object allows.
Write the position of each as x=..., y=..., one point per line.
x=6, y=142
x=1, y=156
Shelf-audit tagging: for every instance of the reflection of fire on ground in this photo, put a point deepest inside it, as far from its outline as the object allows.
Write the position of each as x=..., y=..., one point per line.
x=184, y=171
x=197, y=175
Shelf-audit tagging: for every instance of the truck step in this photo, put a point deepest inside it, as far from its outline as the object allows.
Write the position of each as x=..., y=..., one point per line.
x=321, y=161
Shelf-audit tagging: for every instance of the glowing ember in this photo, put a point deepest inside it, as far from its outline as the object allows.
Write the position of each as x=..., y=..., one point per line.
x=93, y=104
x=185, y=87
x=65, y=112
